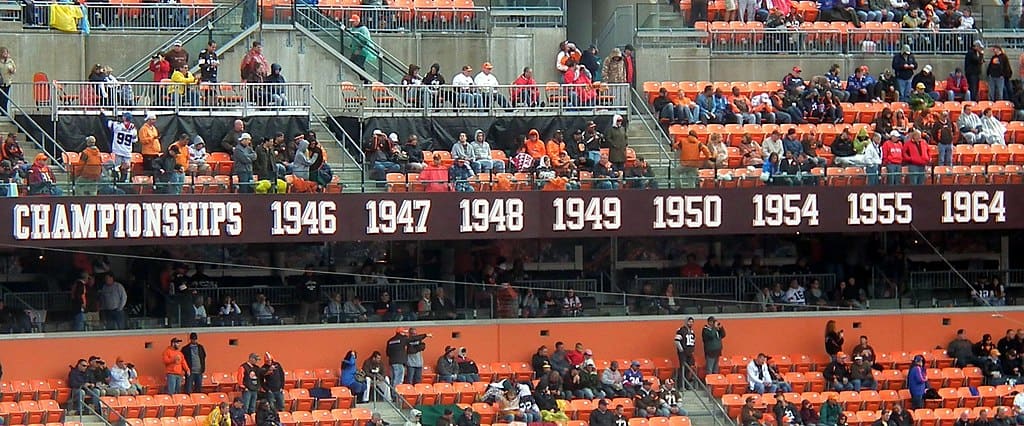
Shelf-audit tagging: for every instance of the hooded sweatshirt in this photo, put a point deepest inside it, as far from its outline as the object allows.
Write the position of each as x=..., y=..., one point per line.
x=892, y=152
x=617, y=141
x=300, y=167
x=535, y=148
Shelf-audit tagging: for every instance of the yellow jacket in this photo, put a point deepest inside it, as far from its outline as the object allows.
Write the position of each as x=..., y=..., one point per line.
x=216, y=418
x=182, y=80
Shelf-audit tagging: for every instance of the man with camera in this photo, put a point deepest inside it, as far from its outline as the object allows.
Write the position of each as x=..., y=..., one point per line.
x=712, y=336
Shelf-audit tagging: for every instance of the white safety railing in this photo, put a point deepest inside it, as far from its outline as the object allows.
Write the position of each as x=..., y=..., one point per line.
x=461, y=19
x=540, y=99
x=241, y=99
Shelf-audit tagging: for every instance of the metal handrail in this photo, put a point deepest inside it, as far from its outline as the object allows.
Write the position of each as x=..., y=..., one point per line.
x=715, y=407
x=639, y=103
x=139, y=68
x=326, y=24
x=348, y=140
x=610, y=27
x=57, y=156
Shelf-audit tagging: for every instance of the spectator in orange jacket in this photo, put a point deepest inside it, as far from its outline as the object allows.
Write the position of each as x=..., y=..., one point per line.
x=534, y=146
x=174, y=366
x=90, y=167
x=555, y=148
x=692, y=155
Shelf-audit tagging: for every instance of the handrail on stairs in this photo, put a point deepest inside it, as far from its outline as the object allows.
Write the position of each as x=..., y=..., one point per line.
x=639, y=104
x=702, y=393
x=197, y=27
x=49, y=146
x=306, y=15
x=344, y=145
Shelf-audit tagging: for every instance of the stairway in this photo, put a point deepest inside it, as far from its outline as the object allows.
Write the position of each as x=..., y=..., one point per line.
x=699, y=413
x=648, y=145
x=659, y=16
x=85, y=419
x=340, y=41
x=30, y=149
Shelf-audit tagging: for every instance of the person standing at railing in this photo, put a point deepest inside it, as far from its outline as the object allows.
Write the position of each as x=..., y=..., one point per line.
x=7, y=70
x=185, y=85
x=160, y=68
x=209, y=62
x=254, y=67
x=89, y=168
x=177, y=56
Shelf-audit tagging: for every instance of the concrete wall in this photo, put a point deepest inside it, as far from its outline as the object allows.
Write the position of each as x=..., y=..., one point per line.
x=694, y=65
x=69, y=56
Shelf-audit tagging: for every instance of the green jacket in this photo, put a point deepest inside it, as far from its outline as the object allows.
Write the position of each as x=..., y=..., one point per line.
x=363, y=45
x=617, y=143
x=712, y=338
x=830, y=414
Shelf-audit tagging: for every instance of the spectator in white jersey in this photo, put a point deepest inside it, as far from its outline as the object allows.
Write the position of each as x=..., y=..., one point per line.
x=794, y=296
x=123, y=135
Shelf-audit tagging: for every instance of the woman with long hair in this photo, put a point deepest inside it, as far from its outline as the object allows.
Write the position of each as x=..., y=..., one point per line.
x=351, y=376
x=833, y=339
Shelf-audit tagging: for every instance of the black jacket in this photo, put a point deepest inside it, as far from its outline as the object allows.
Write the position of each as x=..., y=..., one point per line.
x=972, y=63
x=999, y=66
x=597, y=418
x=273, y=378
x=836, y=371
x=833, y=343
x=264, y=164
x=201, y=368
x=789, y=409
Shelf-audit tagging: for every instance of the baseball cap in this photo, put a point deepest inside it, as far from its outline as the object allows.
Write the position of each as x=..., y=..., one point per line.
x=176, y=43
x=797, y=69
x=150, y=116
x=127, y=116
x=193, y=336
x=546, y=365
x=602, y=402
x=920, y=86
x=635, y=364
x=994, y=352
x=487, y=66
x=245, y=136
x=377, y=132
x=175, y=339
x=858, y=358
x=354, y=17
x=927, y=68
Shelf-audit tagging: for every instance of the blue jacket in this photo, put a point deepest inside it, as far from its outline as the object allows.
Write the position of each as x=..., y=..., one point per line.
x=721, y=105
x=824, y=5
x=769, y=168
x=792, y=145
x=705, y=103
x=854, y=84
x=77, y=378
x=348, y=371
x=916, y=381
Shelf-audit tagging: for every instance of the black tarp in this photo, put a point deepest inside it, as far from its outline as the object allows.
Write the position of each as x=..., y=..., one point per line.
x=72, y=130
x=442, y=132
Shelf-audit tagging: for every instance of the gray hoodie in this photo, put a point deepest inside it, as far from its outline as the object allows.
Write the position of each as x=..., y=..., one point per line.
x=300, y=167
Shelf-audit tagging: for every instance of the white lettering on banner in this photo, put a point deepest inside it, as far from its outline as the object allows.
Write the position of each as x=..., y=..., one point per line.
x=687, y=211
x=576, y=214
x=391, y=216
x=311, y=218
x=880, y=208
x=785, y=210
x=89, y=221
x=479, y=215
x=973, y=206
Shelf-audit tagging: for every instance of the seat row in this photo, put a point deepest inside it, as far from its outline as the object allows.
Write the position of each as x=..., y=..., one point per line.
x=732, y=134
x=803, y=363
x=858, y=176
x=149, y=406
x=813, y=381
x=808, y=10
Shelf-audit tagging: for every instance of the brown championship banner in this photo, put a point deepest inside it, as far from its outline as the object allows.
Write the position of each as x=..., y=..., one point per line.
x=235, y=218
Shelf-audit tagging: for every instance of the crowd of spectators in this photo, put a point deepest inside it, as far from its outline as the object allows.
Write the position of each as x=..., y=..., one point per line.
x=932, y=15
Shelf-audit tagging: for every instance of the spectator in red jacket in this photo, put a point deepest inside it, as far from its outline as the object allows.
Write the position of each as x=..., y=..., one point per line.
x=892, y=158
x=916, y=157
x=957, y=88
x=160, y=68
x=526, y=91
x=575, y=357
